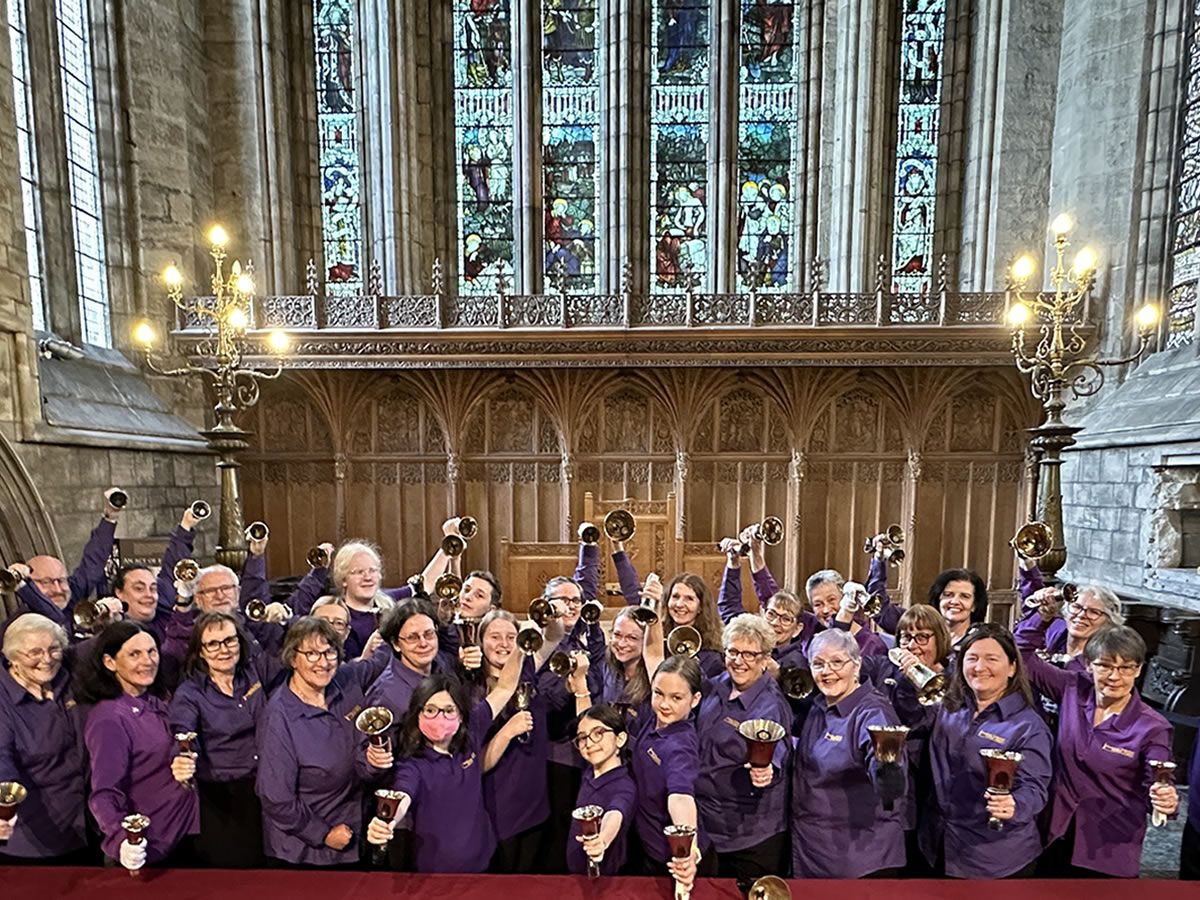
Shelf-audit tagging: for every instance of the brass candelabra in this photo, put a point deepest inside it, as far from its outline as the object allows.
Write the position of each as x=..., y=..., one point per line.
x=1059, y=363
x=220, y=361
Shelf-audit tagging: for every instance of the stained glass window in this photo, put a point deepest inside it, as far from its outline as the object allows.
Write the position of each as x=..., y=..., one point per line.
x=27, y=159
x=679, y=105
x=922, y=33
x=768, y=113
x=338, y=145
x=570, y=137
x=83, y=169
x=483, y=139
x=1185, y=266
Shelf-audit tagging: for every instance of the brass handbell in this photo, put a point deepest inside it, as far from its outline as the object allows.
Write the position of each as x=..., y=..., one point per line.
x=892, y=539
x=529, y=641
x=619, y=525
x=769, y=531
x=869, y=605
x=374, y=721
x=1033, y=541
x=90, y=616
x=9, y=580
x=201, y=509
x=256, y=610
x=930, y=685
x=796, y=682
x=591, y=612
x=317, y=558
x=684, y=640
x=541, y=611
x=118, y=499
x=561, y=664
x=468, y=527
x=589, y=533
x=447, y=586
x=257, y=531
x=769, y=887
x=453, y=545
x=186, y=570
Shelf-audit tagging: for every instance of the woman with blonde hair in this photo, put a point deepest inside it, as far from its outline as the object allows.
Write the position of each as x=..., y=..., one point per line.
x=357, y=574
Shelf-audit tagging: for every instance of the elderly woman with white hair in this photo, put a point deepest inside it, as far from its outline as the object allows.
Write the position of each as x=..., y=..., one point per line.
x=1065, y=637
x=216, y=589
x=743, y=810
x=40, y=747
x=847, y=820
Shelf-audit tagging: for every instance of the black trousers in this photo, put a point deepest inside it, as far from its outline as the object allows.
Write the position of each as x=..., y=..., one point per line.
x=230, y=825
x=520, y=854
x=1189, y=851
x=562, y=785
x=1055, y=861
x=770, y=857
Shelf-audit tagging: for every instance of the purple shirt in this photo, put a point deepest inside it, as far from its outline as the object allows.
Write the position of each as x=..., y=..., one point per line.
x=607, y=685
x=254, y=585
x=362, y=625
x=765, y=587
x=664, y=761
x=735, y=814
x=1102, y=772
x=1194, y=778
x=877, y=579
x=839, y=826
x=627, y=577
x=514, y=791
x=451, y=829
x=180, y=546
x=226, y=726
x=307, y=779
x=130, y=744
x=614, y=790
x=959, y=815
x=87, y=579
x=40, y=749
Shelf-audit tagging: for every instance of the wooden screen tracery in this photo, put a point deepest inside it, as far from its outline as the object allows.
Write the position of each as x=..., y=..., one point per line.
x=836, y=453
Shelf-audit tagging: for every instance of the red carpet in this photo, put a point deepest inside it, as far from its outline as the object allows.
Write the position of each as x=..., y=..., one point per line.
x=181, y=884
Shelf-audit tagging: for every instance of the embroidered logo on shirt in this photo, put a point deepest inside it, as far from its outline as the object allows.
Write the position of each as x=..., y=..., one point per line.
x=469, y=761
x=654, y=756
x=353, y=714
x=1118, y=750
x=68, y=704
x=254, y=688
x=994, y=738
x=830, y=736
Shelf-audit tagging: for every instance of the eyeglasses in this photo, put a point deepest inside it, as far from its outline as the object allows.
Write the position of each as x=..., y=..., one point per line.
x=774, y=615
x=315, y=656
x=50, y=582
x=339, y=625
x=411, y=640
x=831, y=665
x=429, y=711
x=359, y=573
x=920, y=638
x=619, y=638
x=1127, y=670
x=38, y=655
x=592, y=737
x=218, y=589
x=229, y=643
x=570, y=601
x=745, y=655
x=1087, y=613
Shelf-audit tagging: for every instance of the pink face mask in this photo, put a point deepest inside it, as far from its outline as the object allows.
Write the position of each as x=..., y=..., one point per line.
x=438, y=729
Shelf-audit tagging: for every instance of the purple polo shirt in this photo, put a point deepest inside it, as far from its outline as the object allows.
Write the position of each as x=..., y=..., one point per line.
x=225, y=726
x=839, y=827
x=1051, y=637
x=765, y=587
x=254, y=584
x=559, y=701
x=307, y=779
x=877, y=579
x=514, y=791
x=1102, y=772
x=362, y=626
x=180, y=546
x=627, y=578
x=87, y=579
x=1194, y=778
x=959, y=814
x=451, y=829
x=664, y=761
x=607, y=685
x=40, y=748
x=896, y=688
x=614, y=790
x=734, y=813
x=130, y=745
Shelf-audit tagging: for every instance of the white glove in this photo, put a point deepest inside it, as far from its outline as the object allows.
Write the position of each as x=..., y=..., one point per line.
x=277, y=613
x=852, y=594
x=6, y=828
x=133, y=856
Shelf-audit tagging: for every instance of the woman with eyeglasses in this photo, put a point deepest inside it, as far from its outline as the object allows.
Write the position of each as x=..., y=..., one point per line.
x=40, y=747
x=132, y=751
x=357, y=575
x=743, y=810
x=439, y=774
x=988, y=706
x=221, y=700
x=308, y=781
x=622, y=678
x=1065, y=637
x=847, y=806
x=600, y=738
x=1106, y=739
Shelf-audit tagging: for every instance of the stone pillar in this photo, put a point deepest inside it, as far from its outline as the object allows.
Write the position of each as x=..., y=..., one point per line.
x=566, y=479
x=797, y=469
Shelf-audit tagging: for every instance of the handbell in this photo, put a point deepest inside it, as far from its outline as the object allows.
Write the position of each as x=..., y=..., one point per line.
x=541, y=611
x=796, y=682
x=257, y=531
x=317, y=558
x=1164, y=773
x=561, y=664
x=930, y=685
x=761, y=736
x=1069, y=593
x=374, y=721
x=186, y=570
x=644, y=614
x=9, y=580
x=201, y=509
x=12, y=795
x=888, y=741
x=256, y=610
x=591, y=612
x=118, y=499
x=769, y=531
x=453, y=545
x=468, y=527
x=769, y=887
x=529, y=640
x=447, y=586
x=684, y=640
x=1032, y=541
x=619, y=525
x=589, y=534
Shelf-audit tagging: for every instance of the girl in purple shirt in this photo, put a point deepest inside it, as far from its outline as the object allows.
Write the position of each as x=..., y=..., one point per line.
x=131, y=748
x=601, y=738
x=440, y=773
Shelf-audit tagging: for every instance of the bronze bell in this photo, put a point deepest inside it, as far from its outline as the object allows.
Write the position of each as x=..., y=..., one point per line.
x=620, y=525
x=1032, y=541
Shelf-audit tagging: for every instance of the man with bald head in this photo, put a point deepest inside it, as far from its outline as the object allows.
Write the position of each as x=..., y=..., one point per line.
x=49, y=591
